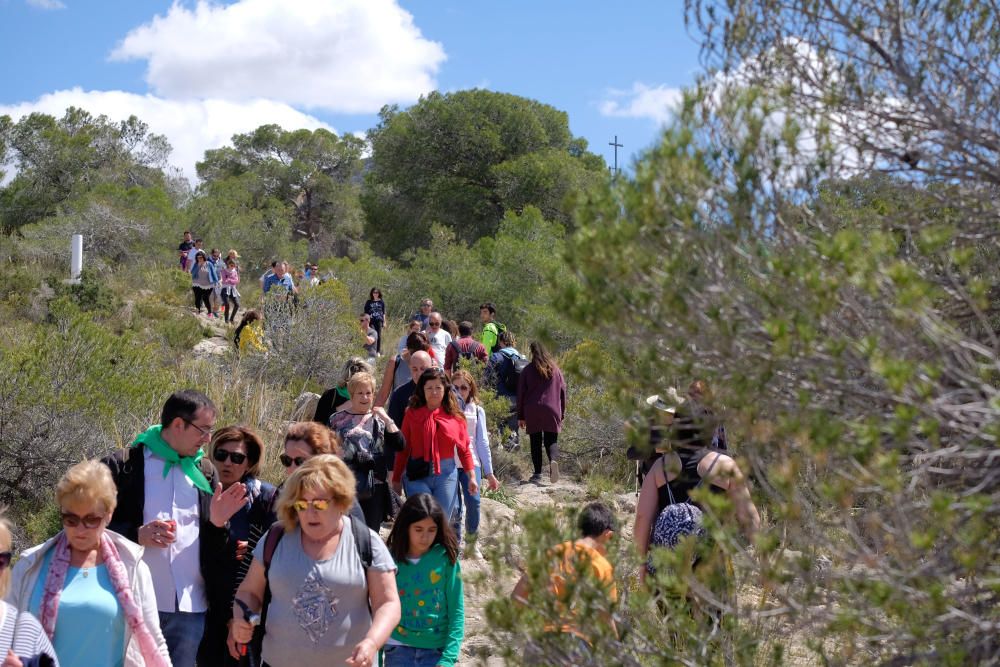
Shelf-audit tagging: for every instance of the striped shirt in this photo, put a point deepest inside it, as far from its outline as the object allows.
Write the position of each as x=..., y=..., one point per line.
x=23, y=634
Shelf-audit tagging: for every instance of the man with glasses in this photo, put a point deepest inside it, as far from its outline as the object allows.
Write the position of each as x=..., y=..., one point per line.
x=424, y=314
x=438, y=337
x=170, y=501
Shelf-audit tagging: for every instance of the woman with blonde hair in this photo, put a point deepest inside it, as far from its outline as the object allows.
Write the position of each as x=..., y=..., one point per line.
x=332, y=584
x=88, y=585
x=303, y=441
x=333, y=398
x=369, y=440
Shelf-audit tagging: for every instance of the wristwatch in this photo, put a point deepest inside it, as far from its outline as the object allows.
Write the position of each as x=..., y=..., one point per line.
x=251, y=617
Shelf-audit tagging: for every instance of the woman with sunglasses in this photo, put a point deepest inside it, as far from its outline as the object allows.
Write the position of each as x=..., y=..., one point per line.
x=482, y=458
x=236, y=452
x=88, y=585
x=434, y=430
x=327, y=607
x=304, y=440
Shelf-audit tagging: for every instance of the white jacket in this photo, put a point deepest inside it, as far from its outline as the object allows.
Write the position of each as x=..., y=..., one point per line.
x=24, y=578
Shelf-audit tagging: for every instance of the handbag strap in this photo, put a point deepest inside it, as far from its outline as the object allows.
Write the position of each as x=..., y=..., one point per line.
x=709, y=471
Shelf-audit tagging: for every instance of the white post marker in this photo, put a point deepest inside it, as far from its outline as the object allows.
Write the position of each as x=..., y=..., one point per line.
x=76, y=259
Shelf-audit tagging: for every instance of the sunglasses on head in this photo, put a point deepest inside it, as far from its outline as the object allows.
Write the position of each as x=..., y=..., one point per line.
x=320, y=504
x=221, y=455
x=5, y=557
x=71, y=520
x=287, y=460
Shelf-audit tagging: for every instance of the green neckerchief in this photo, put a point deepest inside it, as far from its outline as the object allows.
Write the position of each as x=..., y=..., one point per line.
x=342, y=391
x=152, y=439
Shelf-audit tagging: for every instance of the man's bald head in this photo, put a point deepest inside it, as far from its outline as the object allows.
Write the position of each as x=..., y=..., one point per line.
x=420, y=362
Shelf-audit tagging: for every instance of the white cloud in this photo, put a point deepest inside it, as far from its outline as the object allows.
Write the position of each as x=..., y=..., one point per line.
x=46, y=4
x=191, y=126
x=656, y=103
x=350, y=56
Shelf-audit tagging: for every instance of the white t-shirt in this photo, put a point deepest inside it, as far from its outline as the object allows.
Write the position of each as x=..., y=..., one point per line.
x=439, y=342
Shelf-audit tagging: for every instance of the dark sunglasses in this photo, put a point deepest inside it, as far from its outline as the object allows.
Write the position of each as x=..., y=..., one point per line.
x=221, y=455
x=5, y=559
x=287, y=460
x=71, y=520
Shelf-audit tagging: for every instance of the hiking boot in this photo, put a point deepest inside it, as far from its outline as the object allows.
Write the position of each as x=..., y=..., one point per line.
x=553, y=472
x=535, y=479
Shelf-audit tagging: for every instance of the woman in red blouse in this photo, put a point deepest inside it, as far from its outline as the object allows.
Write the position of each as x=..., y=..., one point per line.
x=434, y=429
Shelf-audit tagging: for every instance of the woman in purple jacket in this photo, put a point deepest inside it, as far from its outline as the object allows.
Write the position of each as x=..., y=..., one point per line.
x=541, y=406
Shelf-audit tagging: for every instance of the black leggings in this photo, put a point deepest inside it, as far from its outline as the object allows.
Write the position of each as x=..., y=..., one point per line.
x=551, y=448
x=230, y=312
x=202, y=294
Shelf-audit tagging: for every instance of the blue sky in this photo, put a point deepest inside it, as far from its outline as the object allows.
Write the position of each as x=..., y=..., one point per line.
x=201, y=72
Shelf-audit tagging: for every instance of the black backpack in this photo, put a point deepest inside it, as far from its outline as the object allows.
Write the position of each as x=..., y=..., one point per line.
x=463, y=355
x=517, y=365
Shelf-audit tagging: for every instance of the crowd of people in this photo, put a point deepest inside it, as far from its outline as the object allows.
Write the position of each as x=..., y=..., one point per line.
x=174, y=551
x=215, y=280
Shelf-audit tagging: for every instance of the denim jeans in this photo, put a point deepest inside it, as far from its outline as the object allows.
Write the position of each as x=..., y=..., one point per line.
x=443, y=487
x=182, y=631
x=471, y=503
x=408, y=656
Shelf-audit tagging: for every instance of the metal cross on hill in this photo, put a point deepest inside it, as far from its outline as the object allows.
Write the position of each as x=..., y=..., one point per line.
x=616, y=146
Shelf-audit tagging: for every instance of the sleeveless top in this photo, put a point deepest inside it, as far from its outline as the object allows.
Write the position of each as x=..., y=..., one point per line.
x=687, y=478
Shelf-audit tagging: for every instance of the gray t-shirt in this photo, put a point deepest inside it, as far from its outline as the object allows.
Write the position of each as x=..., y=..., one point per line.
x=319, y=609
x=370, y=350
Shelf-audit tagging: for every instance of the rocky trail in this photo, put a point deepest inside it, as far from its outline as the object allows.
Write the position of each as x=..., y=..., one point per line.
x=219, y=342
x=481, y=583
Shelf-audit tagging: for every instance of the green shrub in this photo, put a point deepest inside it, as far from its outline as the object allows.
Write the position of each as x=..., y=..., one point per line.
x=180, y=333
x=92, y=293
x=71, y=390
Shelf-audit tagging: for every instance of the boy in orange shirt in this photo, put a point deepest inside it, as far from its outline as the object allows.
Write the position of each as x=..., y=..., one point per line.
x=585, y=558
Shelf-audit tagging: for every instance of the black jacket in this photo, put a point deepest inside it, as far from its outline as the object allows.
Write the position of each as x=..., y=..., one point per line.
x=399, y=399
x=327, y=405
x=128, y=468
